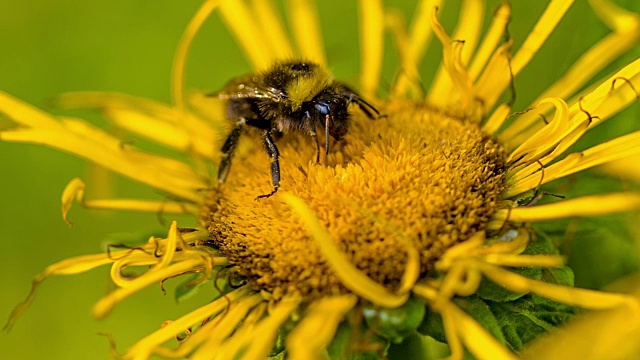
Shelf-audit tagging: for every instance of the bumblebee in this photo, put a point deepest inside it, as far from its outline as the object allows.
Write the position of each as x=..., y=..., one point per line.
x=291, y=96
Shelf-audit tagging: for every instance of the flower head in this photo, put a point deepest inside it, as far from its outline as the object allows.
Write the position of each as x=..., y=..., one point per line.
x=418, y=222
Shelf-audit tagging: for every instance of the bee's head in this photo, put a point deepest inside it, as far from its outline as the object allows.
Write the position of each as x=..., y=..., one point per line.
x=300, y=80
x=331, y=110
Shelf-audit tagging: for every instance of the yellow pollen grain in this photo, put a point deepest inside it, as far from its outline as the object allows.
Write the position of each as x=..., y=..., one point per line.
x=433, y=178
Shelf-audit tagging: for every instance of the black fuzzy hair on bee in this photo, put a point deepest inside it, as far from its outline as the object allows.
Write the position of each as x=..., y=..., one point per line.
x=293, y=95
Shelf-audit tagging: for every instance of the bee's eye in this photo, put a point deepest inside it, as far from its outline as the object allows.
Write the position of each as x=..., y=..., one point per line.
x=323, y=108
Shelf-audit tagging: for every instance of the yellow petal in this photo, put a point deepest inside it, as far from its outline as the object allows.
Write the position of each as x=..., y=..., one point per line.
x=243, y=334
x=144, y=348
x=568, y=136
x=537, y=36
x=476, y=338
x=582, y=206
x=106, y=304
x=170, y=246
x=612, y=150
x=546, y=139
x=74, y=192
x=93, y=145
x=491, y=40
x=270, y=22
x=180, y=57
x=587, y=299
x=75, y=265
x=171, y=135
x=583, y=337
x=243, y=26
x=317, y=328
x=25, y=114
x=516, y=260
x=626, y=26
x=495, y=77
x=208, y=337
x=371, y=21
x=497, y=119
x=453, y=71
x=305, y=25
x=419, y=39
x=627, y=168
x=265, y=332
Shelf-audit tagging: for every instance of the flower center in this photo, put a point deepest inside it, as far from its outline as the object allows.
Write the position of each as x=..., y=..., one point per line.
x=417, y=174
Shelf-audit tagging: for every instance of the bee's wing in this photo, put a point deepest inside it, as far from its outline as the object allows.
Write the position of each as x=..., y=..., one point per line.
x=247, y=87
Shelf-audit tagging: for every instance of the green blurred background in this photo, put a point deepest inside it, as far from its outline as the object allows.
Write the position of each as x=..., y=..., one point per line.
x=50, y=47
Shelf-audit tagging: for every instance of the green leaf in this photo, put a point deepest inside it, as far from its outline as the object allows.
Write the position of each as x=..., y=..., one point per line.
x=525, y=319
x=480, y=311
x=432, y=326
x=513, y=319
x=599, y=249
x=472, y=305
x=561, y=276
x=489, y=290
x=521, y=317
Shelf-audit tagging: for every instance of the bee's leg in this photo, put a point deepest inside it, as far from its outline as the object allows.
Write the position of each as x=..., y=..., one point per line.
x=274, y=154
x=327, y=122
x=311, y=128
x=228, y=150
x=314, y=136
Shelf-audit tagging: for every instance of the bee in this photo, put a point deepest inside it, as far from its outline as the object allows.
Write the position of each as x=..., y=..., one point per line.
x=290, y=96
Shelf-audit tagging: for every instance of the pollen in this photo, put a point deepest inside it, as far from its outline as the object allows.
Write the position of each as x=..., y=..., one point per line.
x=415, y=174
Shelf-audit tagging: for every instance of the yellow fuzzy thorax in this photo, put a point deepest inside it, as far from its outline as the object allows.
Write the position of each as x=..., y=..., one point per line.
x=307, y=86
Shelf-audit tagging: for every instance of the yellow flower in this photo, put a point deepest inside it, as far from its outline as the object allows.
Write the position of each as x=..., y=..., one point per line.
x=408, y=215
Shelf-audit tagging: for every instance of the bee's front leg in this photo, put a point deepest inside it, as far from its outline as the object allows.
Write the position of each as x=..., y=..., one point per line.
x=274, y=154
x=228, y=150
x=311, y=129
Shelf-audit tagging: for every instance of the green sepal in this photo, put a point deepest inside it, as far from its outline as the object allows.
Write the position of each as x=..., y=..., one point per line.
x=396, y=324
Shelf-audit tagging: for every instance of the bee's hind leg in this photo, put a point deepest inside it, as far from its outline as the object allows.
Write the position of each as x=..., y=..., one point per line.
x=274, y=154
x=228, y=150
